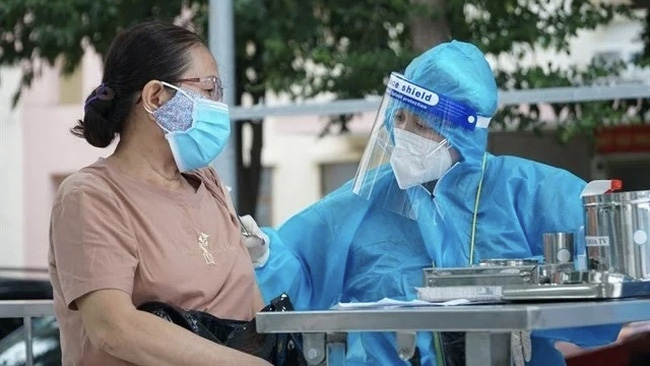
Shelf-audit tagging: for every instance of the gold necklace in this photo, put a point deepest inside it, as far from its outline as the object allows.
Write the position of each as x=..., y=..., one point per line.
x=202, y=238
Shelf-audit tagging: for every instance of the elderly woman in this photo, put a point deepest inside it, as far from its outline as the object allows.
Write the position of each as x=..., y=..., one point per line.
x=152, y=222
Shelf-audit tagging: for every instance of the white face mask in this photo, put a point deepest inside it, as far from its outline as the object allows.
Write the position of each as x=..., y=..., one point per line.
x=416, y=160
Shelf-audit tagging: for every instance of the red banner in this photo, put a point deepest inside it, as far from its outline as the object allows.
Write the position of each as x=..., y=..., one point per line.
x=623, y=139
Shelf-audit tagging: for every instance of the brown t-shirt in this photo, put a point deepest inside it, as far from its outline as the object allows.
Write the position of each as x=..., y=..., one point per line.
x=111, y=231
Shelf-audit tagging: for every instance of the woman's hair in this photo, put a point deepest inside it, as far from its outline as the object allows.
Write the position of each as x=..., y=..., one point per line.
x=144, y=52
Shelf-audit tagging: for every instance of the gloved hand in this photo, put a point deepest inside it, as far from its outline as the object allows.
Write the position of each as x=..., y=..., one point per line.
x=520, y=347
x=255, y=240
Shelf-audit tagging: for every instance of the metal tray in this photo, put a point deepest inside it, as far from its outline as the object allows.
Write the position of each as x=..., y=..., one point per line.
x=526, y=282
x=480, y=276
x=583, y=291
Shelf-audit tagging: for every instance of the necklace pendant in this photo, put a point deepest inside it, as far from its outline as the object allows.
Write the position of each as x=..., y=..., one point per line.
x=205, y=247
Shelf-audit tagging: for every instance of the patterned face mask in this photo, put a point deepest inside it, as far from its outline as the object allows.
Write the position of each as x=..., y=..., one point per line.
x=196, y=128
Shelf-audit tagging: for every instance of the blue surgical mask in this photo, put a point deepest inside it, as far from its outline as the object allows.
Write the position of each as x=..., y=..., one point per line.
x=197, y=129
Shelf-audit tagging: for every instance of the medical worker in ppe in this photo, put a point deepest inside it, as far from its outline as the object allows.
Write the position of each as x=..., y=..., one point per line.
x=426, y=192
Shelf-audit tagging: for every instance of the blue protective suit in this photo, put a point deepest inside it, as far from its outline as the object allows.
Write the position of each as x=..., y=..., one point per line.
x=344, y=248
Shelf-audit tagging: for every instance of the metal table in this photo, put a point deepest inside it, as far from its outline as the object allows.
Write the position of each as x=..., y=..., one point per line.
x=488, y=327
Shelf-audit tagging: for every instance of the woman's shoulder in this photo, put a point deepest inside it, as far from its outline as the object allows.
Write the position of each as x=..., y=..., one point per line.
x=90, y=179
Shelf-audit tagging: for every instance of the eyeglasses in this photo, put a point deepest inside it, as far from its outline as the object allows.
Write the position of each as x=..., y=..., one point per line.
x=210, y=84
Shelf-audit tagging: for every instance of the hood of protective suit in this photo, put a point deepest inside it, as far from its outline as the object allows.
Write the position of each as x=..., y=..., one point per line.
x=442, y=106
x=459, y=71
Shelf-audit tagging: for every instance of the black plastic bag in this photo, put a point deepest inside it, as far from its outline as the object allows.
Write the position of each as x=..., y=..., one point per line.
x=279, y=349
x=453, y=345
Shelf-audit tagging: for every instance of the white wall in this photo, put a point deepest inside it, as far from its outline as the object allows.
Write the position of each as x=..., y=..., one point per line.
x=296, y=159
x=11, y=172
x=622, y=35
x=50, y=151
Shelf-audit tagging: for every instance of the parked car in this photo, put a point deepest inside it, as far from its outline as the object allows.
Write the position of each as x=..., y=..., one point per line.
x=16, y=285
x=21, y=285
x=46, y=345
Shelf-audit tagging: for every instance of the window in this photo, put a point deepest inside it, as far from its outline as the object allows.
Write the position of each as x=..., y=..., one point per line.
x=610, y=57
x=634, y=171
x=70, y=87
x=334, y=175
x=56, y=180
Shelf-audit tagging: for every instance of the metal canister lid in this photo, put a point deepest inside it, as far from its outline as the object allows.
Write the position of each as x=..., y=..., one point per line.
x=632, y=197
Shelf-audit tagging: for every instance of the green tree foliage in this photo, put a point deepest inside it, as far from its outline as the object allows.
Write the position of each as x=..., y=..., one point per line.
x=643, y=59
x=307, y=48
x=59, y=30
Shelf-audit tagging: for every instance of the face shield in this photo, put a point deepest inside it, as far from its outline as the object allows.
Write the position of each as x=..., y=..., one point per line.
x=411, y=144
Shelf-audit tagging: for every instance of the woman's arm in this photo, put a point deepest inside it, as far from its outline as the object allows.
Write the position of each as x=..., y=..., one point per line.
x=115, y=326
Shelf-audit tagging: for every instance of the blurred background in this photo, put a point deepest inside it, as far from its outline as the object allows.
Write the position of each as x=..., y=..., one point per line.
x=294, y=53
x=303, y=77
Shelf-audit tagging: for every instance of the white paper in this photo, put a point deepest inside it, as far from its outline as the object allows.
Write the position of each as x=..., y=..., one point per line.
x=390, y=303
x=471, y=293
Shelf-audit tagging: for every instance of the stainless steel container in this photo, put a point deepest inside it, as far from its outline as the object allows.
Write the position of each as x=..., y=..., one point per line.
x=558, y=248
x=617, y=230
